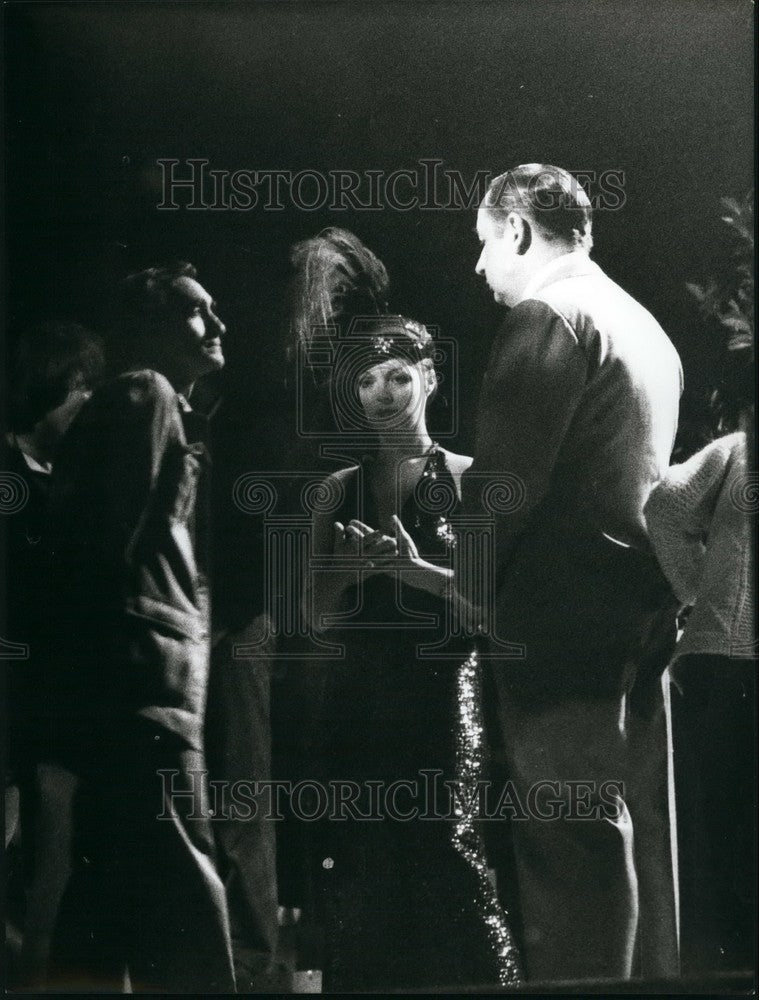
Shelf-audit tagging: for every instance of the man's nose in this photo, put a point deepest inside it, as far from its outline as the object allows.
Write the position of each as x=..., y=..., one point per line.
x=220, y=328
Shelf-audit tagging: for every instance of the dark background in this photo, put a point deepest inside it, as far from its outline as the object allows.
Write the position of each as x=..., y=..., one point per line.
x=96, y=93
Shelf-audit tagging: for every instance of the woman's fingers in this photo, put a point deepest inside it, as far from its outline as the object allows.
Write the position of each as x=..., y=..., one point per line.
x=406, y=544
x=372, y=540
x=352, y=540
x=340, y=543
x=359, y=537
x=384, y=545
x=352, y=534
x=360, y=526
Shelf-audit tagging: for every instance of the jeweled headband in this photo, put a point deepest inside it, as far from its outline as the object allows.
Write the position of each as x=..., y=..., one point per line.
x=381, y=338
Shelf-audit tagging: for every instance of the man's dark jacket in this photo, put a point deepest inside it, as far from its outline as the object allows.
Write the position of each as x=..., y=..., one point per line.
x=136, y=614
x=577, y=417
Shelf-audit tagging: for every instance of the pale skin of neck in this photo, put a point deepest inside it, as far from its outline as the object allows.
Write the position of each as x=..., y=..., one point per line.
x=396, y=448
x=398, y=466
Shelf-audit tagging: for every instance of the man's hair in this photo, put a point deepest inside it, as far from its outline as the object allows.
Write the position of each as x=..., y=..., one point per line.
x=550, y=197
x=143, y=302
x=47, y=363
x=146, y=294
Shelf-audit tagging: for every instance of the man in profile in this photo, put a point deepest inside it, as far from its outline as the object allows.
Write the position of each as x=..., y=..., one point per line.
x=578, y=411
x=132, y=533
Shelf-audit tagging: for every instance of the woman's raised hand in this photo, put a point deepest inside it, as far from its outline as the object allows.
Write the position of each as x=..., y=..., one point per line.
x=384, y=554
x=428, y=576
x=359, y=540
x=406, y=544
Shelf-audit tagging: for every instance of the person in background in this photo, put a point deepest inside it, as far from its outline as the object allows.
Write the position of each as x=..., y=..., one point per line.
x=700, y=520
x=54, y=368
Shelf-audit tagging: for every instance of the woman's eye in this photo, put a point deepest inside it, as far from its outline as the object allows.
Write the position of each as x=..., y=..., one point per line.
x=403, y=379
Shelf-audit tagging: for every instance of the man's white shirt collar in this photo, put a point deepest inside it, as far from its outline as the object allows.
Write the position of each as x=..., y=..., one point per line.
x=546, y=274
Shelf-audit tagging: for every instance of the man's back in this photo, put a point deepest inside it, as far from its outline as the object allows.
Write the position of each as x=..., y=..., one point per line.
x=621, y=434
x=579, y=404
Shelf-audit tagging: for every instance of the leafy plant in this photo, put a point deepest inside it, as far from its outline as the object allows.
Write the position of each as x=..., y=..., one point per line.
x=733, y=305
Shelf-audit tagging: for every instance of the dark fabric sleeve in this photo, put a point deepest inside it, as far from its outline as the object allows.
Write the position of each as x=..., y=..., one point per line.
x=105, y=664
x=110, y=461
x=535, y=378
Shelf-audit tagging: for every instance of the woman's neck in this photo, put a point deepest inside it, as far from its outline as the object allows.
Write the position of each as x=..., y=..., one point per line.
x=399, y=447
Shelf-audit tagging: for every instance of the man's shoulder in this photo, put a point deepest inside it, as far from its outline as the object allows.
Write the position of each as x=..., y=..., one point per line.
x=538, y=310
x=134, y=394
x=535, y=318
x=593, y=293
x=139, y=387
x=131, y=403
x=595, y=305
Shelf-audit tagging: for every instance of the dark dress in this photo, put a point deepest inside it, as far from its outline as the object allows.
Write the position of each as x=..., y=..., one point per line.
x=406, y=901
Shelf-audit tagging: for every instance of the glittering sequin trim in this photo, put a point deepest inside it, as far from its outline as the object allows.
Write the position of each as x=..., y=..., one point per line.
x=466, y=838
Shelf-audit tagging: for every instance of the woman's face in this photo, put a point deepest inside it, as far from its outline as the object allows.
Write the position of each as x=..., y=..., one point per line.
x=393, y=394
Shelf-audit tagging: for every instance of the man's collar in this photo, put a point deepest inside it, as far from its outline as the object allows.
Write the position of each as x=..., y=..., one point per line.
x=208, y=405
x=30, y=461
x=568, y=265
x=34, y=465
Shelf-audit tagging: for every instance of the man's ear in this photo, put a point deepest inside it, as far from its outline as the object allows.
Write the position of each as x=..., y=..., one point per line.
x=520, y=232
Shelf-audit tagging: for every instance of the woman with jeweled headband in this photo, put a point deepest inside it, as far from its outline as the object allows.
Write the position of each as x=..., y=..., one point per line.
x=401, y=873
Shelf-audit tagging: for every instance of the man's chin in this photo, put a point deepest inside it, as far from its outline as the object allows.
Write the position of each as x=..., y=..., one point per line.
x=208, y=367
x=215, y=358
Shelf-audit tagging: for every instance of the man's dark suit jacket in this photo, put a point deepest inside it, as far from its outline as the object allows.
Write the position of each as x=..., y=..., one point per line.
x=137, y=615
x=578, y=410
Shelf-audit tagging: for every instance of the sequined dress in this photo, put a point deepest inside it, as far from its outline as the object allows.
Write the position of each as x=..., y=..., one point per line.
x=405, y=902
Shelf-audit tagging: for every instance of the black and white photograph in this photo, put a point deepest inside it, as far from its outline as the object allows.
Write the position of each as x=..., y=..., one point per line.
x=378, y=497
